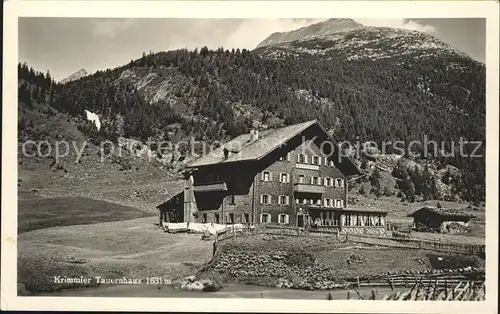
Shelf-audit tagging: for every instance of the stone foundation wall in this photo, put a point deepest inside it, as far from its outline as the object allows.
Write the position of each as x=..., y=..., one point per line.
x=378, y=231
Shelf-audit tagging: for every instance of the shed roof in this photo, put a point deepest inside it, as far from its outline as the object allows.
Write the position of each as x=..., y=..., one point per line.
x=448, y=212
x=268, y=141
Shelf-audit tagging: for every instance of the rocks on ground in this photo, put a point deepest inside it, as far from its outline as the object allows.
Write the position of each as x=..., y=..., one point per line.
x=192, y=283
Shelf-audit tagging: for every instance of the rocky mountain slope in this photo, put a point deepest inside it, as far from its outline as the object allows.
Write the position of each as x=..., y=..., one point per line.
x=362, y=83
x=75, y=76
x=348, y=39
x=330, y=29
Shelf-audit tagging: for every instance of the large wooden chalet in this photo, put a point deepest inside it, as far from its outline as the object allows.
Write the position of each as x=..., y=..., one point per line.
x=290, y=176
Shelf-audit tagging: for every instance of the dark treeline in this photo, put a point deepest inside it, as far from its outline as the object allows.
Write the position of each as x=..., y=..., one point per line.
x=440, y=97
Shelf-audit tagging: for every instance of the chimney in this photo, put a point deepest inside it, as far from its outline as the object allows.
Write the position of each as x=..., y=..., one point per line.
x=254, y=135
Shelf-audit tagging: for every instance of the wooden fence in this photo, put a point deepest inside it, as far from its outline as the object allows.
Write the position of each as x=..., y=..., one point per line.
x=246, y=231
x=413, y=243
x=398, y=242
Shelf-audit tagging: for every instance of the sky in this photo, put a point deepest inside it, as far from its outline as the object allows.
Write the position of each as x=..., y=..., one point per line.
x=66, y=45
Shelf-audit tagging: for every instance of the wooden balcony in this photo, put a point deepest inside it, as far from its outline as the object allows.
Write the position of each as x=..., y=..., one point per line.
x=308, y=188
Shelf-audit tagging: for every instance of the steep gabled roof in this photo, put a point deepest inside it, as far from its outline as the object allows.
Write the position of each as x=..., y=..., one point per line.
x=267, y=142
x=448, y=212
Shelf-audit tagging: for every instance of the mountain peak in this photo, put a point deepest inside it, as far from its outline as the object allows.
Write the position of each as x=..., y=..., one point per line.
x=318, y=30
x=75, y=76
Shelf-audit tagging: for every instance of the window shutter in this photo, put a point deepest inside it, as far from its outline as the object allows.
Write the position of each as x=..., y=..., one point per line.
x=312, y=180
x=268, y=218
x=286, y=219
x=306, y=159
x=261, y=198
x=336, y=183
x=287, y=200
x=325, y=202
x=270, y=176
x=341, y=183
x=288, y=157
x=319, y=161
x=298, y=158
x=280, y=176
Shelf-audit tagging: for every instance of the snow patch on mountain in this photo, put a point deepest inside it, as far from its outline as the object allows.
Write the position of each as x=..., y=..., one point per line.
x=94, y=118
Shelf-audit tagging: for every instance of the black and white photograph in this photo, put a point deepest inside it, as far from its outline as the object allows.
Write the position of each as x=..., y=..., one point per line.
x=325, y=159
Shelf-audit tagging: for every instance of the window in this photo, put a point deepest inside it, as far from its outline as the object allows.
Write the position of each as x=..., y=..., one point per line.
x=339, y=203
x=304, y=201
x=230, y=219
x=266, y=176
x=369, y=221
x=283, y=200
x=232, y=200
x=339, y=183
x=284, y=178
x=245, y=218
x=335, y=219
x=318, y=202
x=301, y=158
x=265, y=218
x=328, y=202
x=217, y=218
x=348, y=220
x=328, y=181
x=316, y=160
x=297, y=201
x=265, y=199
x=286, y=157
x=311, y=202
x=204, y=218
x=283, y=219
x=315, y=180
x=332, y=164
x=301, y=178
x=358, y=220
x=379, y=221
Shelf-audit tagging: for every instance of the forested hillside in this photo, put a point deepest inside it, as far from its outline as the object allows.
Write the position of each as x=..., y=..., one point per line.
x=217, y=94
